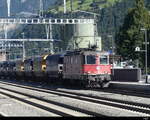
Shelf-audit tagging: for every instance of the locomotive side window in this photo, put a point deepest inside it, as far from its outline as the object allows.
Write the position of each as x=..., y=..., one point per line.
x=103, y=59
x=90, y=59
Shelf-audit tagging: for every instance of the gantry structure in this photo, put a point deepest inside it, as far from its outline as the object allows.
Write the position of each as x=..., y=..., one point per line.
x=48, y=22
x=44, y=21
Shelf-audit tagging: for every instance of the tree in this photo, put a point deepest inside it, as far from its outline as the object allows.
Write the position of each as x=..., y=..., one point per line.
x=130, y=35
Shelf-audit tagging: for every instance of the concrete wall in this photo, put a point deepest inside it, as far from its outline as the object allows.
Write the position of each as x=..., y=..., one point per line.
x=127, y=75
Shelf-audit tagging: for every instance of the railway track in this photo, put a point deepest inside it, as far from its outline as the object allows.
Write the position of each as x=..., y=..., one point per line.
x=144, y=94
x=55, y=108
x=140, y=108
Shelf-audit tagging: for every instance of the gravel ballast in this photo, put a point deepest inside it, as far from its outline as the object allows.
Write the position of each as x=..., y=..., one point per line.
x=10, y=107
x=103, y=109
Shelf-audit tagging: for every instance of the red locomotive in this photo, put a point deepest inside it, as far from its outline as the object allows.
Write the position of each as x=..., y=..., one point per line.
x=87, y=68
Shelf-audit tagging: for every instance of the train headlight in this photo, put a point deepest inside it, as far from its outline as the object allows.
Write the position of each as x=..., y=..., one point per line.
x=88, y=72
x=98, y=68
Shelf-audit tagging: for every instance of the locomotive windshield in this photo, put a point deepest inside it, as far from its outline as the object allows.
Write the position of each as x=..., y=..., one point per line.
x=90, y=59
x=103, y=59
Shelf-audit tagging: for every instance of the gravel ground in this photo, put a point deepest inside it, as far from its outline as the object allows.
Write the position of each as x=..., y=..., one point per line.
x=103, y=109
x=112, y=95
x=100, y=93
x=11, y=107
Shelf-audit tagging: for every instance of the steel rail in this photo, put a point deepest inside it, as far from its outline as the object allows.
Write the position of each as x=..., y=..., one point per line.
x=36, y=104
x=49, y=101
x=128, y=105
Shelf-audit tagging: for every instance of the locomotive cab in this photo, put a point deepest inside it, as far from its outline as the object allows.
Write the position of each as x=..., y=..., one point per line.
x=96, y=68
x=87, y=68
x=39, y=67
x=54, y=64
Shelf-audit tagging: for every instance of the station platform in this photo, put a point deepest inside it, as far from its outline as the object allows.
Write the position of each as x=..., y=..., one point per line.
x=133, y=86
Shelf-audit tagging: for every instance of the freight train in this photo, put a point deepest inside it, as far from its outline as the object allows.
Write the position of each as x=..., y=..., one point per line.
x=83, y=67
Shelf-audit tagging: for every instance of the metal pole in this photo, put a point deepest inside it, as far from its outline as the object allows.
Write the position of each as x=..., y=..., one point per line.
x=51, y=41
x=41, y=8
x=113, y=55
x=64, y=6
x=5, y=43
x=146, y=55
x=24, y=54
x=71, y=6
x=112, y=40
x=8, y=7
x=95, y=28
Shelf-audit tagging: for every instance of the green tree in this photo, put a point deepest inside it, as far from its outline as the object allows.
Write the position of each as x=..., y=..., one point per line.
x=130, y=35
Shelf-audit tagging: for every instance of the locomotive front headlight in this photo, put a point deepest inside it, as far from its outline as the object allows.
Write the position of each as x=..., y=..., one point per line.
x=106, y=72
x=98, y=68
x=88, y=72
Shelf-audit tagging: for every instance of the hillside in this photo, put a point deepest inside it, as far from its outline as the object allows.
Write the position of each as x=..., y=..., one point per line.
x=111, y=17
x=18, y=6
x=21, y=8
x=111, y=14
x=87, y=5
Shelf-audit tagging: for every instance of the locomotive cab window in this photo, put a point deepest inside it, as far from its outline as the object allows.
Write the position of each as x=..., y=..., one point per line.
x=90, y=59
x=104, y=60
